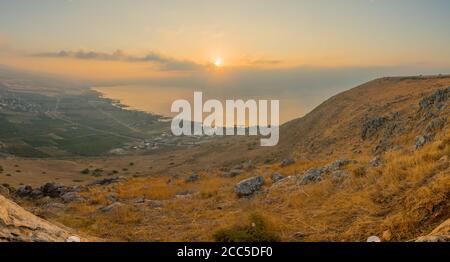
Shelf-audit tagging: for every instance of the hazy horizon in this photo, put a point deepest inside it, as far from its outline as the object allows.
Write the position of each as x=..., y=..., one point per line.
x=301, y=52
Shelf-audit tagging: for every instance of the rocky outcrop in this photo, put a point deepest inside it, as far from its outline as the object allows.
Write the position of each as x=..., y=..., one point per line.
x=370, y=127
x=440, y=234
x=19, y=225
x=437, y=99
x=249, y=186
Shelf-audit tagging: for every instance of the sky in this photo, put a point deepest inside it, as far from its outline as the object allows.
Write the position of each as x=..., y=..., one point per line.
x=302, y=46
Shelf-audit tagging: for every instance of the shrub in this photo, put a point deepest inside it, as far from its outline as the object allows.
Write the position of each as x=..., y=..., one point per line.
x=255, y=231
x=359, y=171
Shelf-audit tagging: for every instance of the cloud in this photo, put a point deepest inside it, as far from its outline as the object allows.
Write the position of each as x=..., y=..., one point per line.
x=259, y=61
x=265, y=62
x=163, y=62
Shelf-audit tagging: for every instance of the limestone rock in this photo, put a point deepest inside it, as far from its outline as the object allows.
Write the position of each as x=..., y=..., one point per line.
x=439, y=234
x=17, y=224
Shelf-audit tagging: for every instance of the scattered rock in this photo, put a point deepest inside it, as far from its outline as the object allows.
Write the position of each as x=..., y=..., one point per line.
x=112, y=198
x=249, y=186
x=433, y=239
x=24, y=191
x=421, y=141
x=192, y=178
x=105, y=181
x=112, y=207
x=72, y=197
x=155, y=203
x=436, y=125
x=375, y=162
x=299, y=235
x=186, y=193
x=275, y=177
x=139, y=200
x=338, y=176
x=287, y=162
x=73, y=239
x=313, y=175
x=336, y=165
x=373, y=239
x=54, y=190
x=436, y=99
x=36, y=193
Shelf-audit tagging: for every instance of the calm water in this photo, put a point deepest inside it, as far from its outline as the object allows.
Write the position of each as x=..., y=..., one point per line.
x=158, y=100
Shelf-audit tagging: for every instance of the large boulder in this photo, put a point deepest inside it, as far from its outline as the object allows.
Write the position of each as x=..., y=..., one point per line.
x=249, y=186
x=19, y=225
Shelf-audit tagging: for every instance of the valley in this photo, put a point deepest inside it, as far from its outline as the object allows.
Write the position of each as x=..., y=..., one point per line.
x=371, y=161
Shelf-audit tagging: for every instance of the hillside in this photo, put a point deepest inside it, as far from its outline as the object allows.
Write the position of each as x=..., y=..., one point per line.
x=369, y=161
x=335, y=127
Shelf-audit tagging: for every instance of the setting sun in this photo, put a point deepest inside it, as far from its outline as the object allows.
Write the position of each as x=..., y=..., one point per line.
x=218, y=62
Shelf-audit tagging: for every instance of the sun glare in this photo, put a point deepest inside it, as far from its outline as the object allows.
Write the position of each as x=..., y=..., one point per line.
x=218, y=62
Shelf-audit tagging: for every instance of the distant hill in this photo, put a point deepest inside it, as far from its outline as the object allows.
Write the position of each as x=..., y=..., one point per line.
x=335, y=128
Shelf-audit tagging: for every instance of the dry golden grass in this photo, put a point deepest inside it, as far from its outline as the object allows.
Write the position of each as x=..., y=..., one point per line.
x=407, y=196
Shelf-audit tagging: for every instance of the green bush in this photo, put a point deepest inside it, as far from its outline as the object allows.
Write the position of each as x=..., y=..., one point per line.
x=255, y=231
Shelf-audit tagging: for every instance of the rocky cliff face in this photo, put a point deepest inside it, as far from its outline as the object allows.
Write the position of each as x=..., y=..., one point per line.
x=19, y=225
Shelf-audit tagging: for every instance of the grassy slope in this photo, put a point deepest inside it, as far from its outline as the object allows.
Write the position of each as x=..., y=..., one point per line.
x=404, y=198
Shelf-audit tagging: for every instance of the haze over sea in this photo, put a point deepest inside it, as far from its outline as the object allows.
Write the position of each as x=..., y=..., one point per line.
x=299, y=89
